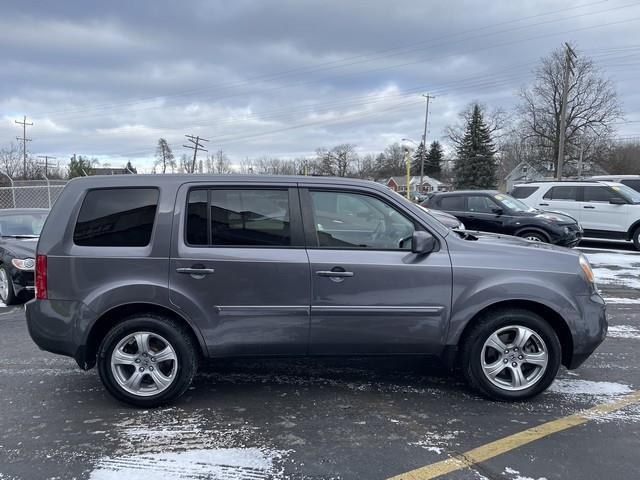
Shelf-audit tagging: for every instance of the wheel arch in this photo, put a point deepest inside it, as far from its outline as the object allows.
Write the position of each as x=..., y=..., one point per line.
x=117, y=314
x=534, y=229
x=553, y=318
x=634, y=226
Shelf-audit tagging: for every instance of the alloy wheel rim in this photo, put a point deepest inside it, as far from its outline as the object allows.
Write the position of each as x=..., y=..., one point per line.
x=533, y=238
x=144, y=364
x=514, y=358
x=4, y=285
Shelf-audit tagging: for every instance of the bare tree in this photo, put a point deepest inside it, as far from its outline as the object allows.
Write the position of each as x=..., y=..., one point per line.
x=164, y=156
x=11, y=160
x=592, y=108
x=220, y=163
x=622, y=158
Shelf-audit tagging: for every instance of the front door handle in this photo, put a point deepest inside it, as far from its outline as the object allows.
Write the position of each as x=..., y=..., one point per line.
x=195, y=271
x=329, y=273
x=543, y=204
x=588, y=206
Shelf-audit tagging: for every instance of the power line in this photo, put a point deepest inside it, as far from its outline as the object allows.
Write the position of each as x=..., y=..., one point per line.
x=370, y=57
x=46, y=163
x=24, y=140
x=195, y=146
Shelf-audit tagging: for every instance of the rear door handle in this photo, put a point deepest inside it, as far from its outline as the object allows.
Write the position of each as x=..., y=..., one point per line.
x=329, y=273
x=588, y=206
x=543, y=204
x=195, y=271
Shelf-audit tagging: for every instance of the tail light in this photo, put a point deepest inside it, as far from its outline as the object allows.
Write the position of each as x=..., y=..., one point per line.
x=41, y=276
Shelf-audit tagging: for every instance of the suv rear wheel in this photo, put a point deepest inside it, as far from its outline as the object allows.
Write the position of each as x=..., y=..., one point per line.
x=511, y=354
x=147, y=360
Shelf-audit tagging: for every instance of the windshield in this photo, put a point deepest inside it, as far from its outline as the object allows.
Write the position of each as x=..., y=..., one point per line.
x=513, y=203
x=22, y=225
x=627, y=192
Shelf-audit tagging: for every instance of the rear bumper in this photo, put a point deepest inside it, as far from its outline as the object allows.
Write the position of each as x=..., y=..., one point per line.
x=591, y=331
x=59, y=326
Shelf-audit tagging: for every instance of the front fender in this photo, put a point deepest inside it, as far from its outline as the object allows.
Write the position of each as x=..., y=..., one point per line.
x=469, y=299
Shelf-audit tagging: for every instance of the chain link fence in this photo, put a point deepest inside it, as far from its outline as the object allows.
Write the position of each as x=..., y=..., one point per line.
x=30, y=193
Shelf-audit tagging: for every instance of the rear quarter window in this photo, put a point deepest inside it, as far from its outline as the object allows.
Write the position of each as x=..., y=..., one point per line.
x=523, y=192
x=635, y=184
x=116, y=217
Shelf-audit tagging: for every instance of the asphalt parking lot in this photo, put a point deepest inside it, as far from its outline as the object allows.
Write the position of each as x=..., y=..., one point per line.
x=312, y=419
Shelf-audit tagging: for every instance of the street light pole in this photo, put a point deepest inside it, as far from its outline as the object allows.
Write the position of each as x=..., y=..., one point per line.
x=407, y=159
x=423, y=154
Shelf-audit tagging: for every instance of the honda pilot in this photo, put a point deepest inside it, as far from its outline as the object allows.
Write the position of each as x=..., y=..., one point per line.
x=146, y=275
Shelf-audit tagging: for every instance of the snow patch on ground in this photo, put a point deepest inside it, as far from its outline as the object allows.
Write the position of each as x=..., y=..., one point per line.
x=616, y=269
x=515, y=475
x=624, y=331
x=198, y=445
x=438, y=442
x=570, y=386
x=622, y=301
x=224, y=463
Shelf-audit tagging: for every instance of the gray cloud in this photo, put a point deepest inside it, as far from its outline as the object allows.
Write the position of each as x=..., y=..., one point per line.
x=281, y=77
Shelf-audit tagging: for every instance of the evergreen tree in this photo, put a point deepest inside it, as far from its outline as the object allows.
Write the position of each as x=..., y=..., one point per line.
x=80, y=166
x=130, y=167
x=435, y=157
x=475, y=166
x=419, y=155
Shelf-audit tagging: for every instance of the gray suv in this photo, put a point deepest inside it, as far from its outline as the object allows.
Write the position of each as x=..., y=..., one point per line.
x=145, y=275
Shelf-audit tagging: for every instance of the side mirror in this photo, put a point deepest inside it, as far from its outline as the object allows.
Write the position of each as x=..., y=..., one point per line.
x=617, y=201
x=422, y=242
x=497, y=211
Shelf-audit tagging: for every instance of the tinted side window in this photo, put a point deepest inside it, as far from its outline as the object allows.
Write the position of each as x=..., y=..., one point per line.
x=481, y=204
x=351, y=220
x=453, y=203
x=562, y=193
x=116, y=217
x=523, y=192
x=599, y=194
x=238, y=217
x=635, y=184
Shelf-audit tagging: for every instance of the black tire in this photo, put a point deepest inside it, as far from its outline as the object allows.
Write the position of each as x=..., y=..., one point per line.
x=534, y=236
x=176, y=335
x=474, y=340
x=11, y=299
x=636, y=238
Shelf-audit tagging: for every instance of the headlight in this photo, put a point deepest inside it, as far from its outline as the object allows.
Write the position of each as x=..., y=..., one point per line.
x=586, y=269
x=24, y=263
x=461, y=226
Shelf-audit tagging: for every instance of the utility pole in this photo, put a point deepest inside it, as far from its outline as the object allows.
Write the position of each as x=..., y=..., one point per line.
x=46, y=163
x=24, y=140
x=570, y=56
x=423, y=155
x=195, y=146
x=407, y=159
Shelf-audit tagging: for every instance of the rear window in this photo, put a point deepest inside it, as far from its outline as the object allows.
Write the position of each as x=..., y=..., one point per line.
x=523, y=192
x=565, y=192
x=116, y=217
x=238, y=217
x=453, y=203
x=635, y=184
x=599, y=194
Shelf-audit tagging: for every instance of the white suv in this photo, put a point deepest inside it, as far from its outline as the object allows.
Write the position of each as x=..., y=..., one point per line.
x=604, y=209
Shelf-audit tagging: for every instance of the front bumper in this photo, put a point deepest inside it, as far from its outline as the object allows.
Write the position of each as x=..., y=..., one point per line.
x=570, y=239
x=23, y=283
x=591, y=331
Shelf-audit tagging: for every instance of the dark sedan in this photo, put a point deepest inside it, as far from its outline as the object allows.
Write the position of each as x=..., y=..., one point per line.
x=492, y=211
x=19, y=232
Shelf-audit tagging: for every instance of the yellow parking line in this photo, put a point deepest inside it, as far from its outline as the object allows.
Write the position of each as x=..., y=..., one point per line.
x=503, y=445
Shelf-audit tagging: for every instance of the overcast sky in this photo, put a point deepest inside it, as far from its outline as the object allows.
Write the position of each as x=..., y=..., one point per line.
x=282, y=78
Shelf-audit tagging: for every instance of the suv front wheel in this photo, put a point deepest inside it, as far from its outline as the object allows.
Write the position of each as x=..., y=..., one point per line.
x=511, y=354
x=147, y=360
